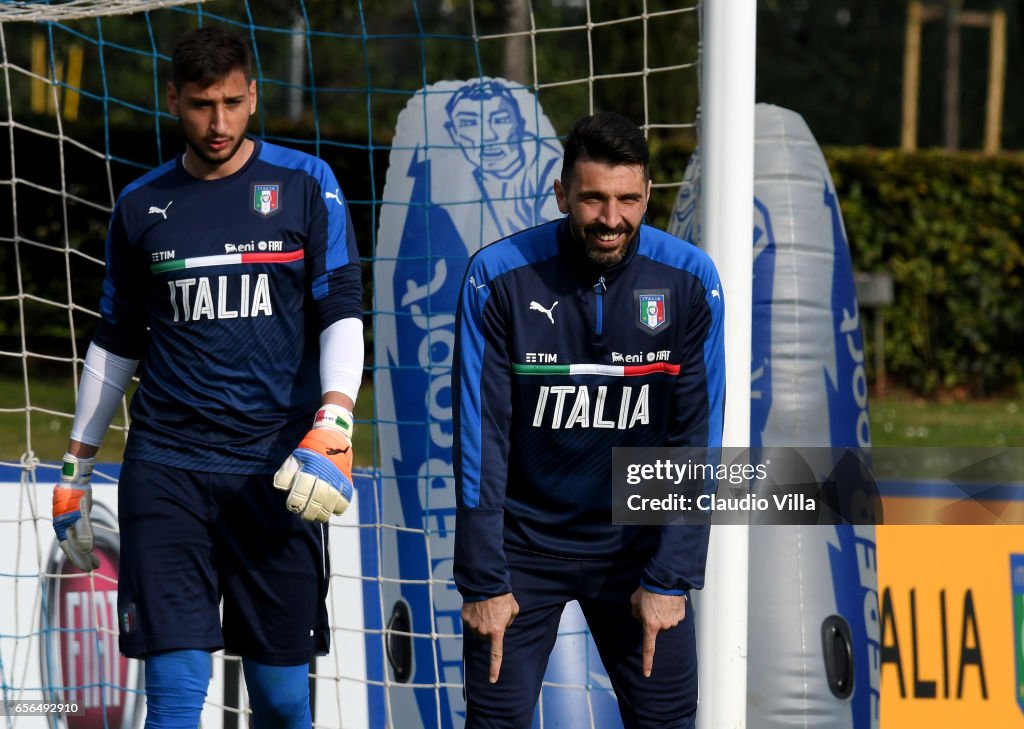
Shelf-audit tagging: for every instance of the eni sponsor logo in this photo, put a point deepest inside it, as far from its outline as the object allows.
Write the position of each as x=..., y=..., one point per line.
x=662, y=355
x=254, y=246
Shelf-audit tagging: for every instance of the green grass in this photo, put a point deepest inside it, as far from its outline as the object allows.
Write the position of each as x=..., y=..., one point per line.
x=902, y=420
x=897, y=420
x=49, y=422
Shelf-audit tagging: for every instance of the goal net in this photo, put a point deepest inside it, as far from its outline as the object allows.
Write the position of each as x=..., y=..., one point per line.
x=372, y=88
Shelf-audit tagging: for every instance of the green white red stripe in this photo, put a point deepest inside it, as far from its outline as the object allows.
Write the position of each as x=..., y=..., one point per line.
x=596, y=369
x=227, y=259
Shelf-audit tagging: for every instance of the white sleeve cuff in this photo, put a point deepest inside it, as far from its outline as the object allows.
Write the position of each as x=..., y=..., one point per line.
x=105, y=379
x=341, y=357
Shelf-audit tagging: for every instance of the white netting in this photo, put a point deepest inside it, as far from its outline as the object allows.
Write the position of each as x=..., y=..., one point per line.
x=82, y=113
x=52, y=10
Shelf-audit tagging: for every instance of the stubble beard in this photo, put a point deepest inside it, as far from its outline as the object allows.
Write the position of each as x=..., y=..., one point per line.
x=600, y=257
x=207, y=159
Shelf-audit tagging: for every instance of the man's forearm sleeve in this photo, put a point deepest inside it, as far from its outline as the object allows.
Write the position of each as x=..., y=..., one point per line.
x=678, y=564
x=105, y=379
x=341, y=357
x=480, y=567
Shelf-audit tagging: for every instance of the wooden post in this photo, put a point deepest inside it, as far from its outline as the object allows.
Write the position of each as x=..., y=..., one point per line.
x=951, y=93
x=875, y=293
x=918, y=13
x=996, y=81
x=517, y=47
x=881, y=383
x=911, y=76
x=74, y=82
x=39, y=67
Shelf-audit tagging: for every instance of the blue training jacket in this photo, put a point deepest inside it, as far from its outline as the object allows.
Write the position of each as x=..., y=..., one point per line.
x=557, y=362
x=222, y=288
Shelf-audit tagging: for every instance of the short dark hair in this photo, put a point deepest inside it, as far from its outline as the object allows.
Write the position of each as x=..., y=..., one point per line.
x=605, y=137
x=206, y=55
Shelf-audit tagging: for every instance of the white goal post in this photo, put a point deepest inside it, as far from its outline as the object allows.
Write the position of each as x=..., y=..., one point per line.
x=727, y=179
x=82, y=113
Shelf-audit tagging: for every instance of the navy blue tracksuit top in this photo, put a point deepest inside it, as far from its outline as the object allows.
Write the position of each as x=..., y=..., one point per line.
x=557, y=362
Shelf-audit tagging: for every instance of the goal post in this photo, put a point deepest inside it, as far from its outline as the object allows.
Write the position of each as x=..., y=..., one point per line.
x=727, y=179
x=82, y=113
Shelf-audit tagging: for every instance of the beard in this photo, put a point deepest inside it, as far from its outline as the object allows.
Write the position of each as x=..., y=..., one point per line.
x=213, y=161
x=604, y=257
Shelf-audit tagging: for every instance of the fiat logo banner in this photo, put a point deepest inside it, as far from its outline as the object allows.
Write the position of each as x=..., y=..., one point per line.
x=80, y=660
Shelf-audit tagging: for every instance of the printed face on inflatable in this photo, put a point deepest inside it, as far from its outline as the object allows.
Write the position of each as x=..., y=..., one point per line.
x=490, y=133
x=605, y=204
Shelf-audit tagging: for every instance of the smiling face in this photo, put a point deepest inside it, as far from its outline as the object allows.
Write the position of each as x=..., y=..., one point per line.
x=213, y=121
x=489, y=133
x=605, y=204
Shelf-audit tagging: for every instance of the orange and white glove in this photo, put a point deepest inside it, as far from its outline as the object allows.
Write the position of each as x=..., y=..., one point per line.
x=72, y=502
x=318, y=473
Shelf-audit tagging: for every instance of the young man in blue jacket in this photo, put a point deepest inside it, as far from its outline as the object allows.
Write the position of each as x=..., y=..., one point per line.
x=233, y=276
x=576, y=336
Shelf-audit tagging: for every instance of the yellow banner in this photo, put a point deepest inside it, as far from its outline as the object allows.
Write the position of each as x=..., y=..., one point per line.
x=948, y=635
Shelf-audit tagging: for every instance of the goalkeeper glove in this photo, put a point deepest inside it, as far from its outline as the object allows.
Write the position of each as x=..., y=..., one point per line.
x=318, y=473
x=72, y=502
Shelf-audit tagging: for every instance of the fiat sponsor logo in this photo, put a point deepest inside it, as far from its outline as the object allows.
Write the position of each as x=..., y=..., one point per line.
x=80, y=659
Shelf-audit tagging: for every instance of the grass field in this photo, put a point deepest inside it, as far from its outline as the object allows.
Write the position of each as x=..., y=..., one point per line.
x=901, y=420
x=896, y=420
x=50, y=423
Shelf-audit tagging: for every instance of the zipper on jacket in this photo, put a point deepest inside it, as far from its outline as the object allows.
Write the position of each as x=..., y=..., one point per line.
x=599, y=288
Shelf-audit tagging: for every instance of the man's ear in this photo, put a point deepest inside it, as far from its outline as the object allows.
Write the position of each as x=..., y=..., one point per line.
x=172, y=98
x=561, y=197
x=252, y=97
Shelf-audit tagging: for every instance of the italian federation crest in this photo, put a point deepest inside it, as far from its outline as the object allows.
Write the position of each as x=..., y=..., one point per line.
x=266, y=199
x=1017, y=580
x=652, y=309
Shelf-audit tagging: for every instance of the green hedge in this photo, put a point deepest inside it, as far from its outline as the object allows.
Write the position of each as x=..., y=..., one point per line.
x=949, y=227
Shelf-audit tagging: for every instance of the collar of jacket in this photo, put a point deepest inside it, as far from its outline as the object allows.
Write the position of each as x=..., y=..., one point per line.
x=575, y=258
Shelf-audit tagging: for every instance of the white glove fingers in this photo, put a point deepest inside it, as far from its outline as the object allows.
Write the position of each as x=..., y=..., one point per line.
x=285, y=474
x=85, y=561
x=301, y=491
x=321, y=503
